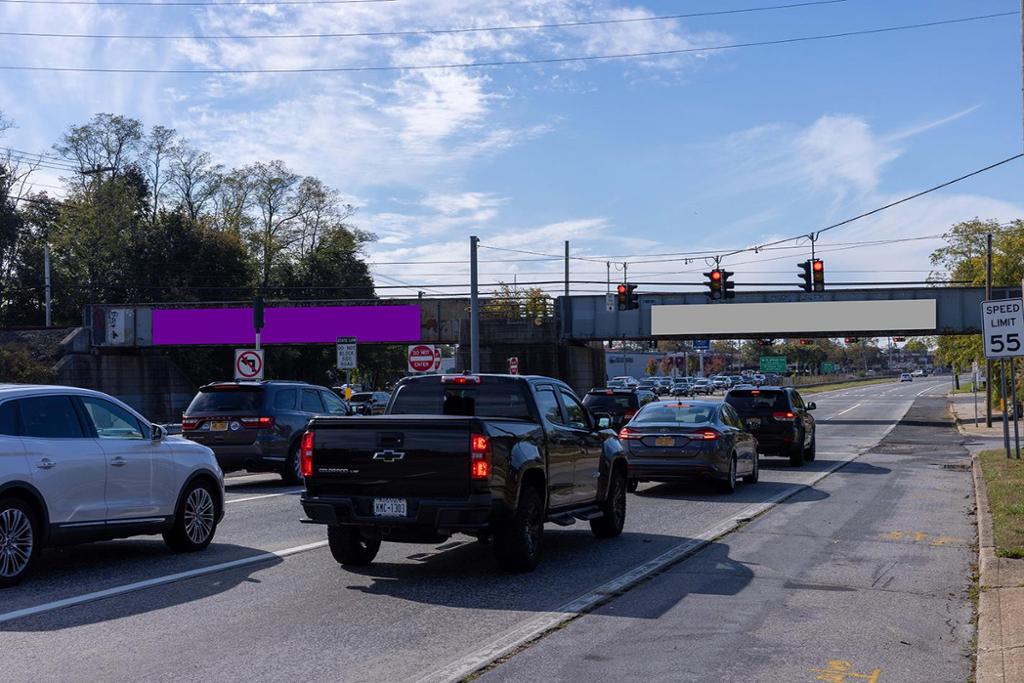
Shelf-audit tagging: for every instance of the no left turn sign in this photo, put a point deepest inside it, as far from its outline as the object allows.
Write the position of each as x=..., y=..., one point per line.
x=249, y=364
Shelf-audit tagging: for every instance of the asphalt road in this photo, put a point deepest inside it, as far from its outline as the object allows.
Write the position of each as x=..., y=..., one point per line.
x=267, y=601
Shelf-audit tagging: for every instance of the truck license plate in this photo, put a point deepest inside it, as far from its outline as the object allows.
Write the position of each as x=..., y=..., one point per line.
x=665, y=441
x=389, y=507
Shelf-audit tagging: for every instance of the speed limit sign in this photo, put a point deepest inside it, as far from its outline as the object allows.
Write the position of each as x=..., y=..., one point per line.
x=1002, y=324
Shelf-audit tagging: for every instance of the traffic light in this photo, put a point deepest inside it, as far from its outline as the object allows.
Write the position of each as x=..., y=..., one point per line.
x=805, y=342
x=765, y=342
x=257, y=312
x=898, y=340
x=818, y=274
x=851, y=340
x=627, y=297
x=718, y=284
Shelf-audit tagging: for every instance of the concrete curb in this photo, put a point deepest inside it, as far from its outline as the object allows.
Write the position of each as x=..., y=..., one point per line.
x=1000, y=600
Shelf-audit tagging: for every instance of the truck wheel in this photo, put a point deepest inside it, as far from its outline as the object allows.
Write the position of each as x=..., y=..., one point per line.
x=19, y=540
x=518, y=541
x=609, y=524
x=349, y=546
x=291, y=473
x=632, y=486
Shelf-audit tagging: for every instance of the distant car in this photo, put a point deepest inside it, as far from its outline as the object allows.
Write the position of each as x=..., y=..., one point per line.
x=256, y=426
x=616, y=384
x=673, y=440
x=780, y=420
x=721, y=382
x=370, y=402
x=649, y=385
x=682, y=387
x=628, y=381
x=919, y=373
x=906, y=377
x=77, y=465
x=758, y=378
x=619, y=405
x=743, y=385
x=703, y=386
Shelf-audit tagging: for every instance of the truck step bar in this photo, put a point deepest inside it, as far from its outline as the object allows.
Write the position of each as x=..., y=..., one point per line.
x=569, y=518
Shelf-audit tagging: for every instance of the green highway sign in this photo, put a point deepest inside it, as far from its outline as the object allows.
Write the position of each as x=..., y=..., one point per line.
x=828, y=368
x=775, y=364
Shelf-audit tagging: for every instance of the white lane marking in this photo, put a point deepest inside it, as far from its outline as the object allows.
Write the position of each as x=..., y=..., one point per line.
x=241, y=479
x=263, y=495
x=841, y=412
x=157, y=581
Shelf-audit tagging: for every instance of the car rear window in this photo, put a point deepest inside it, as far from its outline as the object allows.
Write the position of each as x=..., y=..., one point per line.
x=361, y=398
x=607, y=402
x=680, y=413
x=757, y=399
x=227, y=399
x=505, y=400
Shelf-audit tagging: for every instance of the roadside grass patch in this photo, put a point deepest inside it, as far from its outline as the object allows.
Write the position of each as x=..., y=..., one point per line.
x=1004, y=481
x=845, y=385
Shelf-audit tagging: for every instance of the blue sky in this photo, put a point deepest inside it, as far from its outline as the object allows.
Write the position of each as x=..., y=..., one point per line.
x=710, y=150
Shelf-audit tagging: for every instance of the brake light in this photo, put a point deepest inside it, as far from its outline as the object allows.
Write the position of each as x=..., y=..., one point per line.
x=257, y=422
x=627, y=433
x=189, y=423
x=708, y=434
x=479, y=457
x=460, y=379
x=306, y=455
x=784, y=416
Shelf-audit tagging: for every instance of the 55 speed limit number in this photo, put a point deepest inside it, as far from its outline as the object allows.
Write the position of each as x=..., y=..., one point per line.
x=1003, y=328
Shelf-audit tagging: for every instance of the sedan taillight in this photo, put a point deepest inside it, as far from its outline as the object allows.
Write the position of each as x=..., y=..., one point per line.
x=627, y=433
x=189, y=423
x=306, y=455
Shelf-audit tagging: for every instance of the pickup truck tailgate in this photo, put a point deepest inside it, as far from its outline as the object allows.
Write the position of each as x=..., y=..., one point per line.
x=392, y=456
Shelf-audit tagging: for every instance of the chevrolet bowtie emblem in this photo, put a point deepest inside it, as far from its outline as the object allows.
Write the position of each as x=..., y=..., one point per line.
x=388, y=455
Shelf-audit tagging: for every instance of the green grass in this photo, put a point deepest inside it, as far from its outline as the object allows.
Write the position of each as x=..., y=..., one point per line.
x=845, y=385
x=1004, y=482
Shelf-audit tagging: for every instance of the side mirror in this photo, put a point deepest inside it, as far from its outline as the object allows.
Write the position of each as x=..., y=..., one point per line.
x=158, y=433
x=812, y=405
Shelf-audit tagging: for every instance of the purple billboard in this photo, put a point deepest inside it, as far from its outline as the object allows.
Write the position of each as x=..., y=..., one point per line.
x=317, y=325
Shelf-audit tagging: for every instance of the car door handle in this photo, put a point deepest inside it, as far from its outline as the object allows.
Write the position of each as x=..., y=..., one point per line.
x=118, y=462
x=46, y=464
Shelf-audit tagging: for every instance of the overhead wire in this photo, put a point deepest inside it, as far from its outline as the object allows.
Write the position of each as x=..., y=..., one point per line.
x=499, y=62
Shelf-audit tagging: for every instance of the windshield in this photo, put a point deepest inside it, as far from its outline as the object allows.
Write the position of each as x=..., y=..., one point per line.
x=504, y=400
x=679, y=413
x=361, y=398
x=226, y=399
x=757, y=399
x=603, y=403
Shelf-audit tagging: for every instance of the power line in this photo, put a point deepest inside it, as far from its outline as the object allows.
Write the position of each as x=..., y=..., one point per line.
x=498, y=63
x=418, y=32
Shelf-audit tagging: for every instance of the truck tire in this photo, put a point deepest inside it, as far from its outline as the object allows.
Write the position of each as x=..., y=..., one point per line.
x=610, y=523
x=518, y=541
x=350, y=547
x=632, y=486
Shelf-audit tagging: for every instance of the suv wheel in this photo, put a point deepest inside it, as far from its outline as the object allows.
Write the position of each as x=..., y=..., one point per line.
x=196, y=521
x=796, y=453
x=350, y=547
x=613, y=518
x=291, y=473
x=811, y=452
x=19, y=543
x=518, y=541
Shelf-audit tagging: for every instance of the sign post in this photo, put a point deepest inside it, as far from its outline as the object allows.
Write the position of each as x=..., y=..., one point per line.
x=421, y=357
x=1002, y=325
x=249, y=364
x=346, y=360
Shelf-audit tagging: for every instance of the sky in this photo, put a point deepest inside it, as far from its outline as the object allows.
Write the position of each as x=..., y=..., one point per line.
x=627, y=159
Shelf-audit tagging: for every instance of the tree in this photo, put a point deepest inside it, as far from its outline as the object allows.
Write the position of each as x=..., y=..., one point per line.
x=651, y=367
x=107, y=142
x=159, y=145
x=195, y=178
x=513, y=303
x=17, y=366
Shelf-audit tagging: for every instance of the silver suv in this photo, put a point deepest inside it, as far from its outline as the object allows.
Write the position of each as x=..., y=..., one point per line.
x=78, y=466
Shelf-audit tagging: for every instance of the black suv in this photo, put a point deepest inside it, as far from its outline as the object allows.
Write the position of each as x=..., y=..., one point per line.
x=780, y=420
x=256, y=426
x=618, y=404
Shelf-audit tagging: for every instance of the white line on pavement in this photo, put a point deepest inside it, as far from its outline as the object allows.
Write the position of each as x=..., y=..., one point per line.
x=841, y=412
x=538, y=626
x=157, y=581
x=264, y=495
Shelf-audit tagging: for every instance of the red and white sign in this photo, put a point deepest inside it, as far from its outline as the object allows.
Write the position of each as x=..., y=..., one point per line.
x=513, y=365
x=421, y=358
x=249, y=364
x=437, y=360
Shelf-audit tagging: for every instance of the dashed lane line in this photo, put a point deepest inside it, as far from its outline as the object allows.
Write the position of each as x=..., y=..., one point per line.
x=289, y=492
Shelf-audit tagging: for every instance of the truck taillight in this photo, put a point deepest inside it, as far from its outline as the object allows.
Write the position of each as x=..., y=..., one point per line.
x=306, y=455
x=257, y=422
x=479, y=457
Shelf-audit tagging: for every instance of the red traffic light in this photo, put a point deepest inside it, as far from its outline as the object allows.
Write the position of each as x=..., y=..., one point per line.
x=622, y=289
x=716, y=275
x=818, y=265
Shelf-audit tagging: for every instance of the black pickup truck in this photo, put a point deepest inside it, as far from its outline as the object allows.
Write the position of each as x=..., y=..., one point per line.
x=493, y=456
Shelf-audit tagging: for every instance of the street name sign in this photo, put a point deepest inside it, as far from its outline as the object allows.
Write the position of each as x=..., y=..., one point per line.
x=773, y=364
x=249, y=364
x=701, y=344
x=346, y=347
x=1002, y=325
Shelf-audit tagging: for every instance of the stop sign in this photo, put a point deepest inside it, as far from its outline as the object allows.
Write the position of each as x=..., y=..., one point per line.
x=421, y=358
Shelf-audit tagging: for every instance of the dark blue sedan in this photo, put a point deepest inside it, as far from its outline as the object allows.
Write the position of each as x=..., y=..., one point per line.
x=673, y=440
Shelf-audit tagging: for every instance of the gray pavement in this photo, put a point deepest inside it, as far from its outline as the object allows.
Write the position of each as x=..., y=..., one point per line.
x=419, y=607
x=867, y=572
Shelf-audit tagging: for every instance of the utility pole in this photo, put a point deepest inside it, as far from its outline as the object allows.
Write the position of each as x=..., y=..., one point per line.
x=567, y=263
x=46, y=279
x=988, y=363
x=474, y=307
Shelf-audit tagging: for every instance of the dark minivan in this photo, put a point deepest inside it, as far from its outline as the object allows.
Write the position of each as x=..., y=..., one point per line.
x=256, y=426
x=780, y=420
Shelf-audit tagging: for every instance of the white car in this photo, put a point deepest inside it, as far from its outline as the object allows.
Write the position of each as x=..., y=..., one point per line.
x=77, y=466
x=906, y=377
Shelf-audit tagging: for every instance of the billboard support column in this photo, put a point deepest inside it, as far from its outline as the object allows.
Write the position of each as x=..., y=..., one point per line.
x=474, y=307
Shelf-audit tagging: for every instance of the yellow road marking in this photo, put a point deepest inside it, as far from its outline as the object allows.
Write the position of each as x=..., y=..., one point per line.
x=841, y=671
